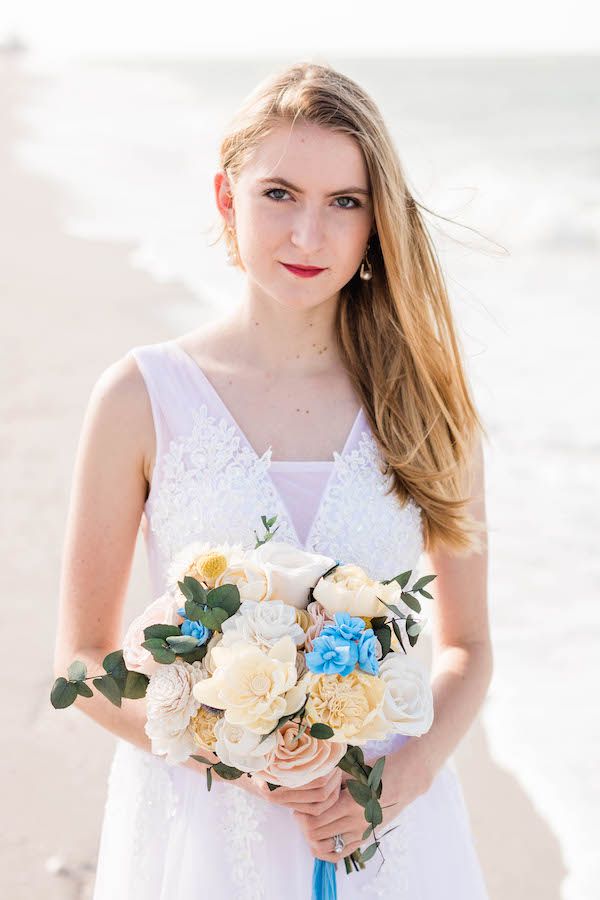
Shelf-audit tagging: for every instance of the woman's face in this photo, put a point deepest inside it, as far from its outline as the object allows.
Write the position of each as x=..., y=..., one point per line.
x=322, y=216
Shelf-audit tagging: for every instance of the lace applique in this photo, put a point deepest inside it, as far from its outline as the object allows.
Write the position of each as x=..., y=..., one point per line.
x=243, y=815
x=213, y=489
x=358, y=522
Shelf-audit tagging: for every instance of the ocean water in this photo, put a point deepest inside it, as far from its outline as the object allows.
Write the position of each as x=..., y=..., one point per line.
x=511, y=150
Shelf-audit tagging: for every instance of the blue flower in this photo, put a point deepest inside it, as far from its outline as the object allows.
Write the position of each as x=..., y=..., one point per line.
x=332, y=655
x=346, y=626
x=367, y=659
x=194, y=629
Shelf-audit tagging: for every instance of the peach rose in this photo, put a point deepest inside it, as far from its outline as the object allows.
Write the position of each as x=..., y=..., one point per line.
x=299, y=761
x=319, y=617
x=162, y=612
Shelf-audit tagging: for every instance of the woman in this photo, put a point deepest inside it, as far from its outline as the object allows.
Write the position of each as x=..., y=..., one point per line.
x=334, y=397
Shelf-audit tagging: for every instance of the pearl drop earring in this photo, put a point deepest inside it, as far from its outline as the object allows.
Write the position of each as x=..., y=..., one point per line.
x=366, y=273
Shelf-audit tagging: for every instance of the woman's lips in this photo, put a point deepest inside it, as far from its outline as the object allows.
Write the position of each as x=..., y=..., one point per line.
x=303, y=271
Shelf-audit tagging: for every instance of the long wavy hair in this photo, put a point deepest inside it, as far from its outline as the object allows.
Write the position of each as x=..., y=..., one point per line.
x=395, y=333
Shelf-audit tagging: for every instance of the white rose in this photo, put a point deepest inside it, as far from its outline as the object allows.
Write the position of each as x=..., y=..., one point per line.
x=162, y=612
x=291, y=571
x=170, y=704
x=253, y=687
x=408, y=698
x=349, y=589
x=252, y=581
x=262, y=624
x=239, y=747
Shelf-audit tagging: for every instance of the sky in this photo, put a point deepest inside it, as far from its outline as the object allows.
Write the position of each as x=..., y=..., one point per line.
x=134, y=28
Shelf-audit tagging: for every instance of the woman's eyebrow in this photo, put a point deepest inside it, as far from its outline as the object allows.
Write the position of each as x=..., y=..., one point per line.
x=292, y=187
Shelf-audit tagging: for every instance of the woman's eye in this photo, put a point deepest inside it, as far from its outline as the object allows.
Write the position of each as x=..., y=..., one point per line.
x=282, y=191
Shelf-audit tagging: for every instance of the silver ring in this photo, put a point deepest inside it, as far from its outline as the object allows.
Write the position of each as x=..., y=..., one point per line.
x=338, y=843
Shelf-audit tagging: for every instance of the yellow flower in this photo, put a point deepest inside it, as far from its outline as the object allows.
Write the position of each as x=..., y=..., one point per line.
x=207, y=567
x=202, y=725
x=349, y=704
x=367, y=621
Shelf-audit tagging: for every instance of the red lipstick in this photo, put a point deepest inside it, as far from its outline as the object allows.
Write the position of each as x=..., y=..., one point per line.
x=303, y=271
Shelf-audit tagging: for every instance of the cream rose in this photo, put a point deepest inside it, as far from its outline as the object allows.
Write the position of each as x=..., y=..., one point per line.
x=349, y=589
x=291, y=571
x=262, y=624
x=296, y=762
x=349, y=704
x=202, y=725
x=170, y=705
x=239, y=747
x=253, y=687
x=408, y=701
x=162, y=612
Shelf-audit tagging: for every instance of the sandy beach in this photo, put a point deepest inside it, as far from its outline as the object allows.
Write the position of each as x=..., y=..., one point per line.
x=70, y=308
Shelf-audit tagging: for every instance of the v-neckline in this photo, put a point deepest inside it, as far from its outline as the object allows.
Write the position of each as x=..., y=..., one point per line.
x=335, y=456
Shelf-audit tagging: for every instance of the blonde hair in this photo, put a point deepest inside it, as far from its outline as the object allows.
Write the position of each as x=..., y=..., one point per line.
x=395, y=333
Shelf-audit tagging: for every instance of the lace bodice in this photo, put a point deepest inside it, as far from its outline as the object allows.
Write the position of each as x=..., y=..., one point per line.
x=209, y=484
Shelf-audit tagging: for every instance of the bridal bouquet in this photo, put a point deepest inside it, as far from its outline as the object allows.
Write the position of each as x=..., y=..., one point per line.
x=279, y=661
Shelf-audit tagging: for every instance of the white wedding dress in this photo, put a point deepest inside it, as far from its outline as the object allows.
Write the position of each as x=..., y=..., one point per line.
x=164, y=836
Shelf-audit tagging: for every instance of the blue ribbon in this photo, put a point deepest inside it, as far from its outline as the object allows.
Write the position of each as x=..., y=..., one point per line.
x=324, y=885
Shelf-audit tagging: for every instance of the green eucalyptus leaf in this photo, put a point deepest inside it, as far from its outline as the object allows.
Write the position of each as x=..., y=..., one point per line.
x=161, y=631
x=182, y=643
x=411, y=601
x=209, y=779
x=230, y=773
x=207, y=762
x=369, y=851
x=83, y=689
x=213, y=618
x=414, y=629
x=359, y=791
x=226, y=596
x=321, y=731
x=193, y=610
x=426, y=594
x=114, y=662
x=398, y=633
x=422, y=582
x=135, y=686
x=77, y=671
x=367, y=832
x=63, y=693
x=384, y=636
x=109, y=687
x=376, y=773
x=195, y=655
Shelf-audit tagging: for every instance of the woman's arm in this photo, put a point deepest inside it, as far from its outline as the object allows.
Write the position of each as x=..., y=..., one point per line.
x=462, y=653
x=108, y=493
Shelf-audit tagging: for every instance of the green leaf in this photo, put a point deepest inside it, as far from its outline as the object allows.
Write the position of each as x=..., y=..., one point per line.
x=226, y=596
x=135, y=686
x=402, y=579
x=321, y=731
x=201, y=759
x=194, y=590
x=209, y=779
x=193, y=610
x=377, y=622
x=398, y=633
x=369, y=851
x=114, y=663
x=384, y=635
x=161, y=631
x=414, y=629
x=367, y=832
x=375, y=773
x=182, y=643
x=160, y=650
x=83, y=689
x=373, y=812
x=63, y=693
x=393, y=607
x=109, y=687
x=426, y=594
x=359, y=791
x=195, y=655
x=77, y=671
x=213, y=618
x=155, y=643
x=272, y=787
x=411, y=601
x=422, y=582
x=228, y=772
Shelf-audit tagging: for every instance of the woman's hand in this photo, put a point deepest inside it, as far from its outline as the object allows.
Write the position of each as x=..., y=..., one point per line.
x=405, y=782
x=310, y=799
